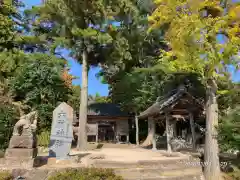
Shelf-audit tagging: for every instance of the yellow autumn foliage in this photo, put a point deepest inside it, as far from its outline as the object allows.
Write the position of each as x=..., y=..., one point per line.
x=193, y=32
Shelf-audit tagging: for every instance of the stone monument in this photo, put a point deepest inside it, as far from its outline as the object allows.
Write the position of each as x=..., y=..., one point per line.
x=61, y=133
x=23, y=144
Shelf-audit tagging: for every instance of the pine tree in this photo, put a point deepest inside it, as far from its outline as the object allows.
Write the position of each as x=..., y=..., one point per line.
x=82, y=27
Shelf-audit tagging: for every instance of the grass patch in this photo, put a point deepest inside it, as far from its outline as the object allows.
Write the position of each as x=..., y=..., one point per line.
x=235, y=175
x=5, y=175
x=43, y=139
x=86, y=174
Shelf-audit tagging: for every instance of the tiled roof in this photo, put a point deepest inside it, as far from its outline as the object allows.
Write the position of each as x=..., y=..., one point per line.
x=164, y=102
x=104, y=109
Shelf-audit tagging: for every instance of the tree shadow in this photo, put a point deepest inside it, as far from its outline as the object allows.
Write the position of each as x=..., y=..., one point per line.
x=40, y=161
x=43, y=160
x=77, y=157
x=99, y=146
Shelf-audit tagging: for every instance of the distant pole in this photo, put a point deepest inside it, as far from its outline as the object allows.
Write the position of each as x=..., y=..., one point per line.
x=137, y=130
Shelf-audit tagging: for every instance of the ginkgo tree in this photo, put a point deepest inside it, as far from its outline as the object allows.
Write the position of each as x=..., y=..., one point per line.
x=193, y=29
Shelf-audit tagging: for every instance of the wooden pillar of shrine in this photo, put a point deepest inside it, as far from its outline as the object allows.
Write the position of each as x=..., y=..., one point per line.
x=192, y=130
x=127, y=141
x=154, y=144
x=97, y=132
x=174, y=125
x=169, y=133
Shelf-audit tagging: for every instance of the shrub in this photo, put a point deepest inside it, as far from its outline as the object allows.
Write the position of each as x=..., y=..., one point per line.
x=229, y=131
x=8, y=117
x=233, y=175
x=43, y=138
x=86, y=174
x=5, y=175
x=1, y=154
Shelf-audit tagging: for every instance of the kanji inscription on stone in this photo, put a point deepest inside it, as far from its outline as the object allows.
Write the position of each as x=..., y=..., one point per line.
x=61, y=132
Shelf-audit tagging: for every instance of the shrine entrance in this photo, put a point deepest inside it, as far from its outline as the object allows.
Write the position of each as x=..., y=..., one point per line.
x=106, y=132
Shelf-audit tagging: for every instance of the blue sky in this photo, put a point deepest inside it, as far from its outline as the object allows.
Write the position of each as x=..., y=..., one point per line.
x=95, y=84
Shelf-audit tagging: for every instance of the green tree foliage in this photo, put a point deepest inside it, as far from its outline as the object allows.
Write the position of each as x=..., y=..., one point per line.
x=38, y=84
x=73, y=99
x=101, y=99
x=229, y=130
x=8, y=118
x=229, y=120
x=10, y=22
x=230, y=99
x=133, y=48
x=34, y=80
x=10, y=60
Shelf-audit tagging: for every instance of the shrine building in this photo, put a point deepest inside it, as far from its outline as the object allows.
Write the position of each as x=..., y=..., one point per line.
x=106, y=123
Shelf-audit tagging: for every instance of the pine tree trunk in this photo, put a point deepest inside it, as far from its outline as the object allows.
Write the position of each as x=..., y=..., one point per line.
x=82, y=134
x=211, y=159
x=148, y=140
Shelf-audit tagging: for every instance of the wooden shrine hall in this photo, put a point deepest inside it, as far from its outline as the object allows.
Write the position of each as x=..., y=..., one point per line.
x=176, y=106
x=106, y=122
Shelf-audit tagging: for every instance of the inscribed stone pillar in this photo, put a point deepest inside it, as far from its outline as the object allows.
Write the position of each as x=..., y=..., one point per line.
x=61, y=132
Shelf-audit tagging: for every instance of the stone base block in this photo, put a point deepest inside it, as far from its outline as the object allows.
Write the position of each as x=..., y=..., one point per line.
x=53, y=161
x=21, y=153
x=23, y=142
x=12, y=163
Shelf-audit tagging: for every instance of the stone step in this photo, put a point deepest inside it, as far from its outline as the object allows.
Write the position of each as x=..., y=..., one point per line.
x=127, y=174
x=189, y=177
x=152, y=174
x=171, y=164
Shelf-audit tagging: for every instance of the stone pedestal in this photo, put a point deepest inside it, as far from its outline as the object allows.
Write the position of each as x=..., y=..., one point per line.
x=21, y=153
x=28, y=142
x=20, y=157
x=12, y=163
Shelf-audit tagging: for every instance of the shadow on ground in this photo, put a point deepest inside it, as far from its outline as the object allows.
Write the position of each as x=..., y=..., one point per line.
x=40, y=161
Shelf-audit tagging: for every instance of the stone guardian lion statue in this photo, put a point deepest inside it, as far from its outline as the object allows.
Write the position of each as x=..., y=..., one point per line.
x=26, y=125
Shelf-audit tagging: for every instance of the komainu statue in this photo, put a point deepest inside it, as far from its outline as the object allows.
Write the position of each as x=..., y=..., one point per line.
x=27, y=124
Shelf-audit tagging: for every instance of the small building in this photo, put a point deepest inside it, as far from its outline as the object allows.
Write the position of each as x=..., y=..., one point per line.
x=172, y=110
x=106, y=123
